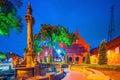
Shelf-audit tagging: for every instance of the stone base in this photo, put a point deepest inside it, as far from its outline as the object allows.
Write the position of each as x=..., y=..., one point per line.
x=24, y=72
x=49, y=76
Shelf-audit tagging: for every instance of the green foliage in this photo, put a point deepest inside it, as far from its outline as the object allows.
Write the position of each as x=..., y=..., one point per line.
x=102, y=54
x=55, y=34
x=97, y=66
x=64, y=37
x=37, y=48
x=2, y=55
x=8, y=16
x=45, y=59
x=50, y=58
x=87, y=59
x=67, y=59
x=65, y=54
x=25, y=49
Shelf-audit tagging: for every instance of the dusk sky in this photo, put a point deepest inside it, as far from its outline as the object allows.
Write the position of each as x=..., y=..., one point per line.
x=90, y=17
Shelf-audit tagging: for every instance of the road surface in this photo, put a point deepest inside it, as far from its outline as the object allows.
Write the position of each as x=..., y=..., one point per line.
x=83, y=73
x=75, y=75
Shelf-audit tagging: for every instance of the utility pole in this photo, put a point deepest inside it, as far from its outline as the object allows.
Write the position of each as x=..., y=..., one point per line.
x=111, y=26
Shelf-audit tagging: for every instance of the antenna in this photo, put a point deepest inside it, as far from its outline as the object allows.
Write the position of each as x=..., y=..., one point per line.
x=111, y=26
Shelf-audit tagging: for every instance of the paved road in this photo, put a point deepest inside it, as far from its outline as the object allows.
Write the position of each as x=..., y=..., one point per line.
x=75, y=75
x=83, y=73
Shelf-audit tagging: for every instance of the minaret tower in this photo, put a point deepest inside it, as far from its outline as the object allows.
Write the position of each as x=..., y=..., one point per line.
x=29, y=54
x=29, y=67
x=29, y=20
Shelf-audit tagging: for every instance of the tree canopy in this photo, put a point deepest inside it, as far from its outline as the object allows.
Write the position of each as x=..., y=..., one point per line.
x=87, y=59
x=9, y=19
x=2, y=55
x=102, y=53
x=55, y=34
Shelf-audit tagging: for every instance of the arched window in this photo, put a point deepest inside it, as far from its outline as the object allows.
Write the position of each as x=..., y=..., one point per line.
x=70, y=59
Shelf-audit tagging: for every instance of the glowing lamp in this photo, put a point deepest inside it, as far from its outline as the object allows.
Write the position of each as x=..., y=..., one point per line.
x=46, y=53
x=58, y=51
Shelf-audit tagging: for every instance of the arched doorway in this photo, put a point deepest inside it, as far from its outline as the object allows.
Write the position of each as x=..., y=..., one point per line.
x=77, y=60
x=70, y=59
x=83, y=59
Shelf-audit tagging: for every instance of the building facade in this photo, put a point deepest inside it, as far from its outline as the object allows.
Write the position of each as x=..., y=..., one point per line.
x=46, y=51
x=113, y=52
x=78, y=50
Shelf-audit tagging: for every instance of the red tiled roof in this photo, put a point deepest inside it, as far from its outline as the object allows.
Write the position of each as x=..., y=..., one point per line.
x=113, y=43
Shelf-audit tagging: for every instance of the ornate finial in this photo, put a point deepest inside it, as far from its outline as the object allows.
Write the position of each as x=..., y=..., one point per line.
x=77, y=32
x=28, y=16
x=29, y=9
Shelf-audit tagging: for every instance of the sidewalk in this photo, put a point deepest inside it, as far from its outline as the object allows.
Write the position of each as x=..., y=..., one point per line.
x=75, y=75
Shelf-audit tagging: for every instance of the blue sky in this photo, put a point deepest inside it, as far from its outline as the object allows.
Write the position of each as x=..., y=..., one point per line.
x=90, y=17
